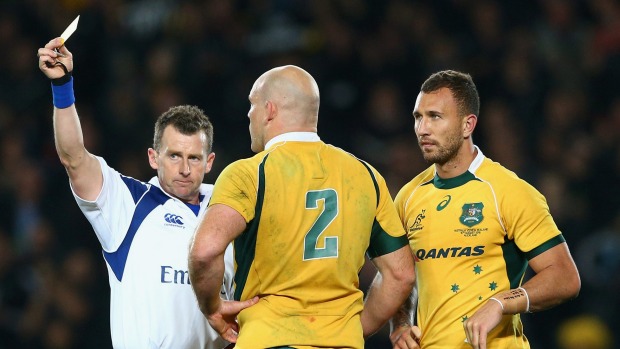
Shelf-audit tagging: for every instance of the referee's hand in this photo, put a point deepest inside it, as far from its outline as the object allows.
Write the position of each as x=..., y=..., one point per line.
x=53, y=57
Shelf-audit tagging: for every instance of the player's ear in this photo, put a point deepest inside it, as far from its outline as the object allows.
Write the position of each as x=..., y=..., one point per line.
x=152, y=154
x=272, y=110
x=469, y=124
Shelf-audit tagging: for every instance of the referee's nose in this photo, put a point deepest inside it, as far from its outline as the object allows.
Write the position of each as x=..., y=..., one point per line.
x=185, y=167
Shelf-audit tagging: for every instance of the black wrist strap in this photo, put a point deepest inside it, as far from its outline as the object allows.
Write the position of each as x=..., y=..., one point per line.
x=63, y=79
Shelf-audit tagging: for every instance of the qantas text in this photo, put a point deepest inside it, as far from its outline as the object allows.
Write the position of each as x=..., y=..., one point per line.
x=449, y=252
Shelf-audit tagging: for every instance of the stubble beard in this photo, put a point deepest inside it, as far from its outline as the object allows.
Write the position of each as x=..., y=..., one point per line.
x=444, y=153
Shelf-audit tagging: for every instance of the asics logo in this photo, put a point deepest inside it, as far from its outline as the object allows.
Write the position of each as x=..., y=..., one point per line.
x=174, y=219
x=444, y=202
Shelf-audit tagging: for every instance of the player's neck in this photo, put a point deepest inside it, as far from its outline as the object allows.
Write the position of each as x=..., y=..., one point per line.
x=459, y=164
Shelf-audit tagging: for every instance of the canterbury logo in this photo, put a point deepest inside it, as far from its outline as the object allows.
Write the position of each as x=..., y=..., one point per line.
x=174, y=219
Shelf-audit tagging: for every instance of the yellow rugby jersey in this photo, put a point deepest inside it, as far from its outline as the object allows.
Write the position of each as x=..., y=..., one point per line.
x=472, y=237
x=313, y=211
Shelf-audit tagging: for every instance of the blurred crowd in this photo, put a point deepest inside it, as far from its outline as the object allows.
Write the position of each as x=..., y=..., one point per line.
x=547, y=72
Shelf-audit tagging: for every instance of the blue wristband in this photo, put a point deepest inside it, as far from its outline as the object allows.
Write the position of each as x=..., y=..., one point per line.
x=63, y=94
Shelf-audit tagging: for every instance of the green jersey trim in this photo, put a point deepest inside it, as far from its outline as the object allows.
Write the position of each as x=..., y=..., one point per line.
x=516, y=263
x=545, y=246
x=374, y=180
x=245, y=244
x=450, y=183
x=383, y=243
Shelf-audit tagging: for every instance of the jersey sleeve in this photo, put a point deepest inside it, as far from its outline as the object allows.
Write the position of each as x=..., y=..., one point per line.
x=528, y=220
x=111, y=213
x=236, y=187
x=400, y=202
x=388, y=234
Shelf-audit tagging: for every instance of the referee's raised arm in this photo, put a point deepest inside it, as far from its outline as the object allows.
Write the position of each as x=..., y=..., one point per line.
x=84, y=171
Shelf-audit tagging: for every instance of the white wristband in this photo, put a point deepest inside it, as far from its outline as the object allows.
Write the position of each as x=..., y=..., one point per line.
x=527, y=297
x=498, y=301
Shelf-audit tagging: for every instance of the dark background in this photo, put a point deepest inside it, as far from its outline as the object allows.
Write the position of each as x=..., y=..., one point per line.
x=546, y=71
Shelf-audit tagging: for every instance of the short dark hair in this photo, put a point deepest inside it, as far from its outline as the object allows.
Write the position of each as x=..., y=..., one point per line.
x=188, y=120
x=462, y=87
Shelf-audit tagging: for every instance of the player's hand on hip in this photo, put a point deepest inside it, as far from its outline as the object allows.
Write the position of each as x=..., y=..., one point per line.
x=224, y=320
x=406, y=337
x=481, y=323
x=53, y=57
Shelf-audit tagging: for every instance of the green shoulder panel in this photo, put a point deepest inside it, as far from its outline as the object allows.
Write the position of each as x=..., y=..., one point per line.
x=245, y=244
x=515, y=261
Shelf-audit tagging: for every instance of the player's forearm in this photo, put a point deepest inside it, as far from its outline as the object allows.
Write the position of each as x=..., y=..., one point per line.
x=371, y=315
x=552, y=286
x=556, y=281
x=389, y=290
x=538, y=294
x=405, y=314
x=384, y=299
x=206, y=273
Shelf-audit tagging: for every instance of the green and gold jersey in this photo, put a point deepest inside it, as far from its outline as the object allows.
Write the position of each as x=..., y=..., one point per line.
x=313, y=211
x=472, y=237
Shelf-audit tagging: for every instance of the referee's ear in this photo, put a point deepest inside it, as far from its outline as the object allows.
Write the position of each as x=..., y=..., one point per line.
x=152, y=154
x=209, y=164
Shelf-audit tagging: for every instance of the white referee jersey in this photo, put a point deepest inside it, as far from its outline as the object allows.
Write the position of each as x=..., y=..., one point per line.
x=145, y=235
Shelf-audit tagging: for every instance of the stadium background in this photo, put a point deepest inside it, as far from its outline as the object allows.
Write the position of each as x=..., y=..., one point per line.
x=546, y=70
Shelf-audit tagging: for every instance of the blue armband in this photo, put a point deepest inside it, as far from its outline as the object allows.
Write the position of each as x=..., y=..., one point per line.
x=62, y=92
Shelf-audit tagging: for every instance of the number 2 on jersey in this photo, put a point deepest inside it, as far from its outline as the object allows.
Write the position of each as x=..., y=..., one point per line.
x=329, y=213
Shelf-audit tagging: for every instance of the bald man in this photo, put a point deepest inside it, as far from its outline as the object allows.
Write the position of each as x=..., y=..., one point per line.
x=302, y=214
